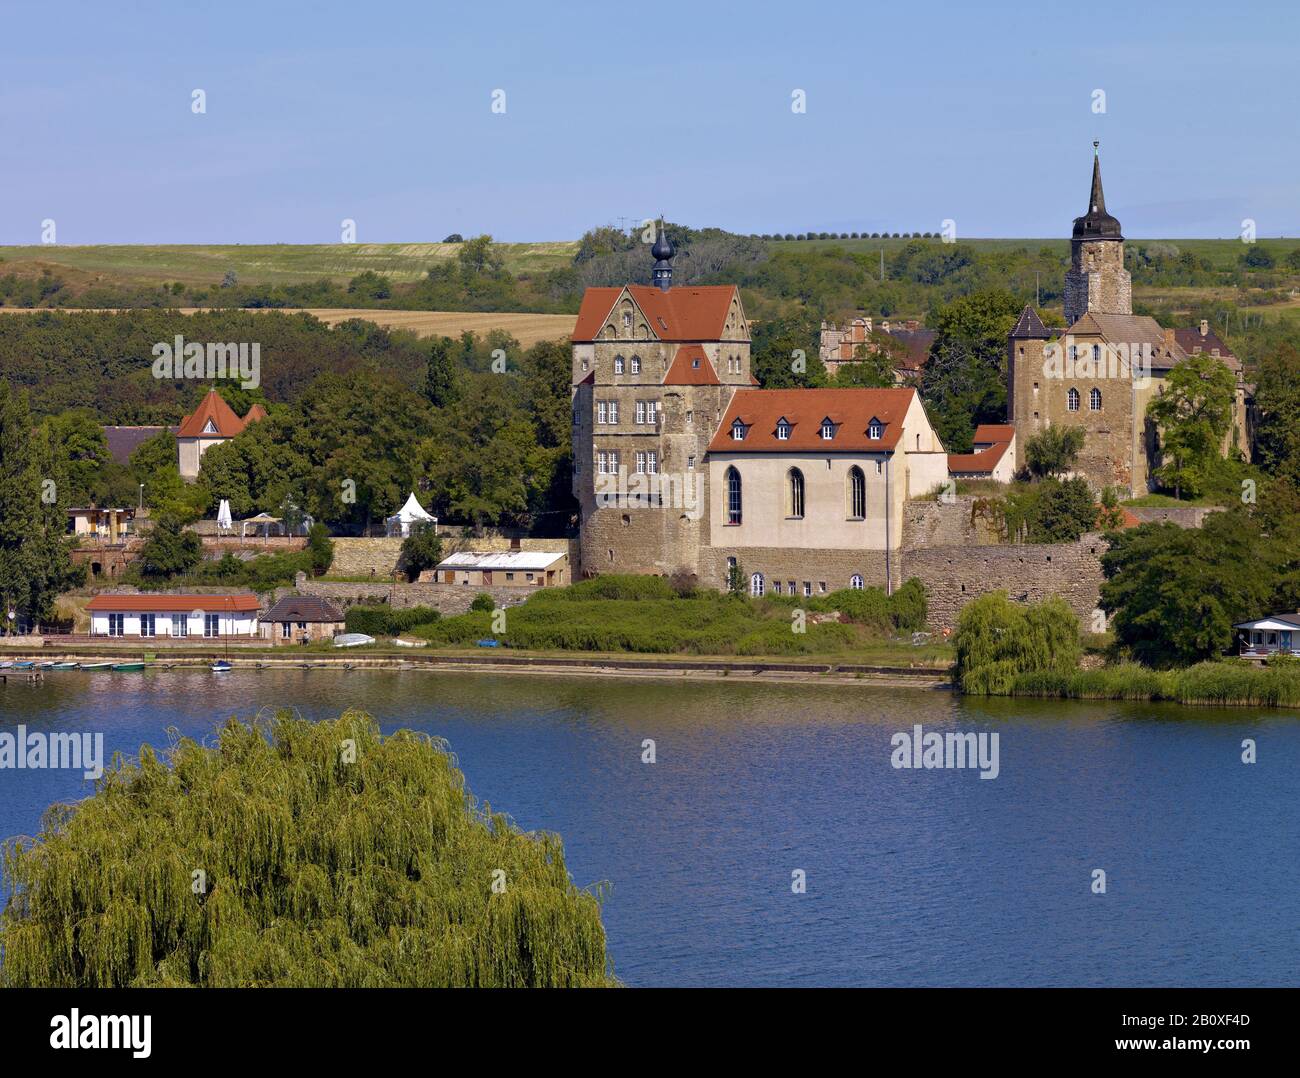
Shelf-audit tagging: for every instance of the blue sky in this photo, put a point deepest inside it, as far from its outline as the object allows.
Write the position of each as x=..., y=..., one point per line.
x=916, y=112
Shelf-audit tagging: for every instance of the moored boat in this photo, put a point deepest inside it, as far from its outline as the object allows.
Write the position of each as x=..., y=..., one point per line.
x=220, y=666
x=25, y=665
x=128, y=667
x=64, y=666
x=96, y=666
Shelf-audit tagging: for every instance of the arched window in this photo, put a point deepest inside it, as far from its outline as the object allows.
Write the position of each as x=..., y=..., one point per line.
x=756, y=585
x=855, y=582
x=733, y=496
x=1094, y=400
x=1072, y=399
x=618, y=364
x=636, y=364
x=857, y=494
x=795, y=482
x=1096, y=353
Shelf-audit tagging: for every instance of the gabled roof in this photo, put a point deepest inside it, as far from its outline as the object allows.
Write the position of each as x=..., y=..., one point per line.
x=142, y=601
x=1030, y=327
x=215, y=411
x=303, y=608
x=1283, y=621
x=515, y=559
x=851, y=410
x=995, y=432
x=1191, y=341
x=123, y=441
x=691, y=367
x=680, y=314
x=1122, y=329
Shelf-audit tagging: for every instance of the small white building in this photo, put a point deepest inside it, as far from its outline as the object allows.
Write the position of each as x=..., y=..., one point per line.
x=1266, y=636
x=151, y=616
x=520, y=568
x=994, y=455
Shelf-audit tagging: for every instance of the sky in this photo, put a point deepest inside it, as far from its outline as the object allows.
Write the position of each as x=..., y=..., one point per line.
x=980, y=113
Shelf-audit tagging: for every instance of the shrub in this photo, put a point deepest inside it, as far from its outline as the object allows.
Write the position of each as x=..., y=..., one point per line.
x=387, y=621
x=483, y=601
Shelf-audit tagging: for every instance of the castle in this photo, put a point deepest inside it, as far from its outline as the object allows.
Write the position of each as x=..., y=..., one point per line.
x=1101, y=370
x=682, y=466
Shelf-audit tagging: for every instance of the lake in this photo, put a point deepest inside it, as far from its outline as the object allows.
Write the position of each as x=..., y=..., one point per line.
x=913, y=877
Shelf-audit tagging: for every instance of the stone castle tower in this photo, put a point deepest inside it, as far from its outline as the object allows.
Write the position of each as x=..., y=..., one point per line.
x=654, y=368
x=1097, y=281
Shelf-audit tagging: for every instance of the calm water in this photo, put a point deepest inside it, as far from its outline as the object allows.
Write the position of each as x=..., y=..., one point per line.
x=913, y=877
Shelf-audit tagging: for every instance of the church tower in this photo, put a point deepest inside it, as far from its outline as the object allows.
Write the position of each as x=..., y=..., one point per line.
x=1097, y=281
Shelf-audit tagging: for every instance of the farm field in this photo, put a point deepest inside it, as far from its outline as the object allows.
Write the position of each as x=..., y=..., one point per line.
x=279, y=263
x=526, y=328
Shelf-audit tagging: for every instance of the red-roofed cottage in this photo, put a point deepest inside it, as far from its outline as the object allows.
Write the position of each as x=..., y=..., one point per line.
x=994, y=455
x=171, y=615
x=211, y=423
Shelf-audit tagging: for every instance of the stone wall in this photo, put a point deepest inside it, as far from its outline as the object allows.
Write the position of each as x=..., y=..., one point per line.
x=946, y=524
x=1184, y=517
x=447, y=599
x=381, y=557
x=825, y=570
x=953, y=576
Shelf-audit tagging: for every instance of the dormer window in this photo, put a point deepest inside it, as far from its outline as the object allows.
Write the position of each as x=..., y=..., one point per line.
x=828, y=430
x=618, y=364
x=210, y=427
x=875, y=429
x=783, y=431
x=737, y=431
x=695, y=363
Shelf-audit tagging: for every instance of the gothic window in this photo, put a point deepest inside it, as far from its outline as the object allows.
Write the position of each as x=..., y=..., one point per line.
x=733, y=496
x=636, y=364
x=756, y=585
x=796, y=493
x=618, y=364
x=857, y=494
x=855, y=582
x=1094, y=400
x=1072, y=399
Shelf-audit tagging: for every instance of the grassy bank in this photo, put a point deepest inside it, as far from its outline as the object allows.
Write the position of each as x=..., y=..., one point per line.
x=1222, y=683
x=620, y=615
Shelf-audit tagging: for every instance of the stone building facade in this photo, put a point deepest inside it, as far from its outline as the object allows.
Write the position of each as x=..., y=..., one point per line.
x=1104, y=367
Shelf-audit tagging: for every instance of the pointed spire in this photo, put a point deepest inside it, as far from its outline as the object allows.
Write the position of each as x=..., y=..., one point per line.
x=663, y=252
x=1096, y=199
x=1096, y=224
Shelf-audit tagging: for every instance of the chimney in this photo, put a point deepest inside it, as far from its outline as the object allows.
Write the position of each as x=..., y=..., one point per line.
x=1205, y=327
x=1169, y=337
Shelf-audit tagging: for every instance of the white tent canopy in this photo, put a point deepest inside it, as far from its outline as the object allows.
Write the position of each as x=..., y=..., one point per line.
x=262, y=520
x=225, y=522
x=411, y=513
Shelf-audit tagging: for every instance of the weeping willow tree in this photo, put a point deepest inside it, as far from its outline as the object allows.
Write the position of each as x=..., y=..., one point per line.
x=292, y=853
x=998, y=640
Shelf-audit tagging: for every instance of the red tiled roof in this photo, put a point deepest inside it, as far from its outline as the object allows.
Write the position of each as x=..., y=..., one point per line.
x=983, y=461
x=254, y=414
x=852, y=410
x=680, y=314
x=146, y=602
x=212, y=407
x=691, y=367
x=994, y=432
